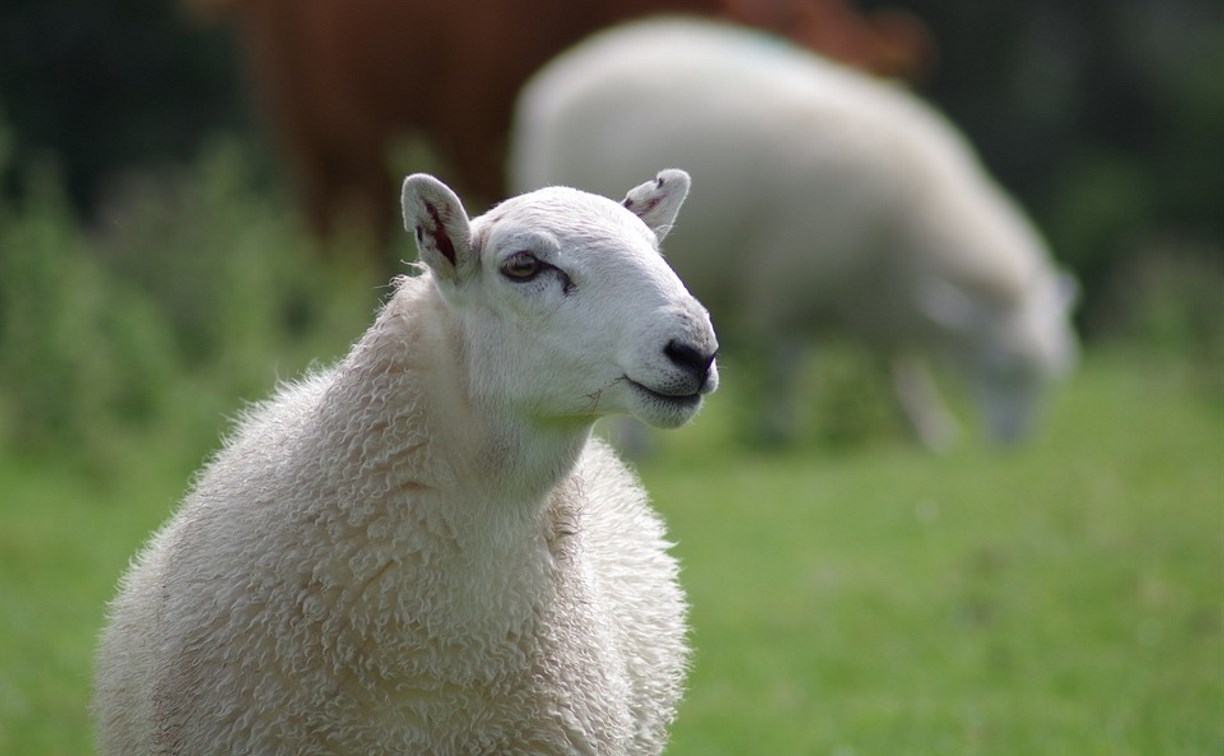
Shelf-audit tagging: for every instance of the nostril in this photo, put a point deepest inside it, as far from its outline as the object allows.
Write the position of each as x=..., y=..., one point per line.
x=689, y=358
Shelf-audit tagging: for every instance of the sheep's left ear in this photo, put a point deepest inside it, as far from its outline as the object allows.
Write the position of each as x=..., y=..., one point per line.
x=443, y=232
x=657, y=202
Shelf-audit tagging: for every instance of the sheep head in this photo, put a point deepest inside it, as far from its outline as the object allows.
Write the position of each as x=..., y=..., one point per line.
x=1011, y=351
x=567, y=310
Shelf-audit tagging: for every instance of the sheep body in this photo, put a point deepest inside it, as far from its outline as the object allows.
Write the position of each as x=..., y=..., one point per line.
x=829, y=197
x=386, y=558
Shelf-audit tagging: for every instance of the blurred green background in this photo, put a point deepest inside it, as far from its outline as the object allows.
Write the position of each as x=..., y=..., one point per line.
x=851, y=594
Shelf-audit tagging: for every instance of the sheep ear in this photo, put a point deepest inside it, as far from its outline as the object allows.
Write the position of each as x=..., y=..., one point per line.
x=443, y=232
x=657, y=202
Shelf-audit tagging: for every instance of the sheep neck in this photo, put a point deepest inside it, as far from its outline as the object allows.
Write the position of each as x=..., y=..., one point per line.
x=491, y=473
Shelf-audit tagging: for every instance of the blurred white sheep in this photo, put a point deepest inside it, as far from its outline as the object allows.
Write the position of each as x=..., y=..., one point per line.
x=826, y=196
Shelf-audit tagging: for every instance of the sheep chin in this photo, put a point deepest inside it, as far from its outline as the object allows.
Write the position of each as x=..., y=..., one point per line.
x=661, y=410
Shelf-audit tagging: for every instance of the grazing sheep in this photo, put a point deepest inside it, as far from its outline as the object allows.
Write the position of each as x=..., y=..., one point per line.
x=833, y=197
x=422, y=550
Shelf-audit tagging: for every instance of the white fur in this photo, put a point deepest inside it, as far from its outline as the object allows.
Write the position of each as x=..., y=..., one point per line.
x=826, y=195
x=421, y=550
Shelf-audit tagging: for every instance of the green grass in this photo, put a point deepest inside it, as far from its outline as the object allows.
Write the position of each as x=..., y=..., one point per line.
x=1062, y=598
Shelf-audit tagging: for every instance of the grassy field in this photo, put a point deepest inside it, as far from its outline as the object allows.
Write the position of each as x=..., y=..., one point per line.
x=1064, y=598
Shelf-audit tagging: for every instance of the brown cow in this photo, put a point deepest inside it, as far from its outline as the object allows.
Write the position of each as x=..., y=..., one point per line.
x=339, y=80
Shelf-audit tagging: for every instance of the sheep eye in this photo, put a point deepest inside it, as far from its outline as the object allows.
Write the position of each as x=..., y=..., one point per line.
x=522, y=266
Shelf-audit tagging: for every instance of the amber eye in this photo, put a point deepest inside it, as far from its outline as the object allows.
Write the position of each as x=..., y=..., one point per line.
x=521, y=266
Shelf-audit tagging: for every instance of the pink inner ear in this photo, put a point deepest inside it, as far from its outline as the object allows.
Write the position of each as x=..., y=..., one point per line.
x=438, y=233
x=650, y=205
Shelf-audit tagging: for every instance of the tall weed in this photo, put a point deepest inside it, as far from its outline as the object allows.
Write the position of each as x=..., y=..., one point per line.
x=195, y=290
x=81, y=352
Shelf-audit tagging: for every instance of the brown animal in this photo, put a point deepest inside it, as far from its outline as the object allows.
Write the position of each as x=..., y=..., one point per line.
x=888, y=42
x=339, y=80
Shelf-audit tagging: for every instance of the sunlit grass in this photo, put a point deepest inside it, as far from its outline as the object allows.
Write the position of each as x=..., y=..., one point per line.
x=1060, y=598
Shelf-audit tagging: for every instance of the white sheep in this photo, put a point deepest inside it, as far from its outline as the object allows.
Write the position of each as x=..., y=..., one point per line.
x=422, y=550
x=827, y=197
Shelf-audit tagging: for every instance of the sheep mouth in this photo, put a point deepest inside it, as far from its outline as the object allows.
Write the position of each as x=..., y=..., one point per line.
x=683, y=399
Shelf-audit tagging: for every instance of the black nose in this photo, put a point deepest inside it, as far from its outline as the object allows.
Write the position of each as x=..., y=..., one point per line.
x=690, y=359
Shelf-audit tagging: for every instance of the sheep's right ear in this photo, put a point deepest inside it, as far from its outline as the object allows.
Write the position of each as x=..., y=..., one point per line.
x=443, y=232
x=657, y=202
